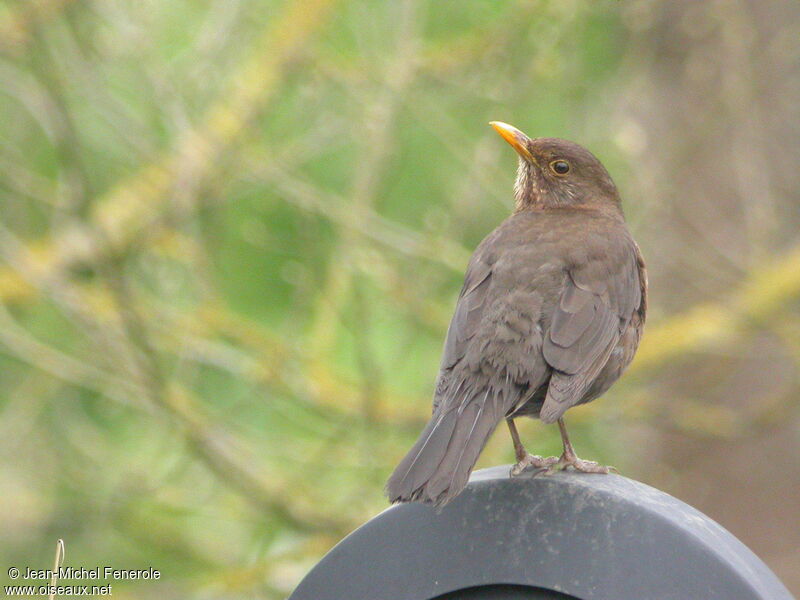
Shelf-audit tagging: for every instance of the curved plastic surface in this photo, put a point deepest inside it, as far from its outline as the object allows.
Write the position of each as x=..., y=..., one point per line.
x=588, y=536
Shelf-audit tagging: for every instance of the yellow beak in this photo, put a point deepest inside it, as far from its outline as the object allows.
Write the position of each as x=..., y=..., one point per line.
x=517, y=139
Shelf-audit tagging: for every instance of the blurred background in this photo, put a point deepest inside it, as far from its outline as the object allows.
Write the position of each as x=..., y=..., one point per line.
x=232, y=235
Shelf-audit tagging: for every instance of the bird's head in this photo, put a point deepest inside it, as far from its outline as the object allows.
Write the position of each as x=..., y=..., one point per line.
x=557, y=173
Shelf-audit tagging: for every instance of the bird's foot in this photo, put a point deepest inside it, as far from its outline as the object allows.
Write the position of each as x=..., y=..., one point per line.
x=584, y=466
x=531, y=460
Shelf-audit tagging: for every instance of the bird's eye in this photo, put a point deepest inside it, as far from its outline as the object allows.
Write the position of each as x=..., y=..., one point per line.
x=559, y=167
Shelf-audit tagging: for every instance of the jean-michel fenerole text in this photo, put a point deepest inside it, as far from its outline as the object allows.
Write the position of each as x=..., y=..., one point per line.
x=93, y=573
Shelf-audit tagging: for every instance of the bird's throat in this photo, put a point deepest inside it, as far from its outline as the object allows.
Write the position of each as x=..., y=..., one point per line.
x=527, y=191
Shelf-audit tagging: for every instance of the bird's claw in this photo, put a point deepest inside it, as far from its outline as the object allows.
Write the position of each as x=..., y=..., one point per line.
x=584, y=466
x=532, y=460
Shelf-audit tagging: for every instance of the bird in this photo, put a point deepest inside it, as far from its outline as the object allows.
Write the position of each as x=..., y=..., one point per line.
x=550, y=314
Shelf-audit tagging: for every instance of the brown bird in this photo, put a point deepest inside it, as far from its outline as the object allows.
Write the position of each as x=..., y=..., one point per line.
x=551, y=313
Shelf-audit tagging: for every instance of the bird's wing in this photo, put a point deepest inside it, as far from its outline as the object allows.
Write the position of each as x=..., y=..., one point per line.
x=594, y=309
x=465, y=409
x=469, y=310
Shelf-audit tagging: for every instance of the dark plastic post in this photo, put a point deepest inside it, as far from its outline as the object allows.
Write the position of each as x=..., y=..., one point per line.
x=570, y=535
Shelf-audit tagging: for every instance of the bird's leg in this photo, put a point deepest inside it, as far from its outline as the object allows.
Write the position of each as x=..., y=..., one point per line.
x=570, y=459
x=519, y=449
x=525, y=460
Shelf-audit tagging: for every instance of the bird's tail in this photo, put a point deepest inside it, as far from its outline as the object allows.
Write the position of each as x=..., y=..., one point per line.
x=437, y=468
